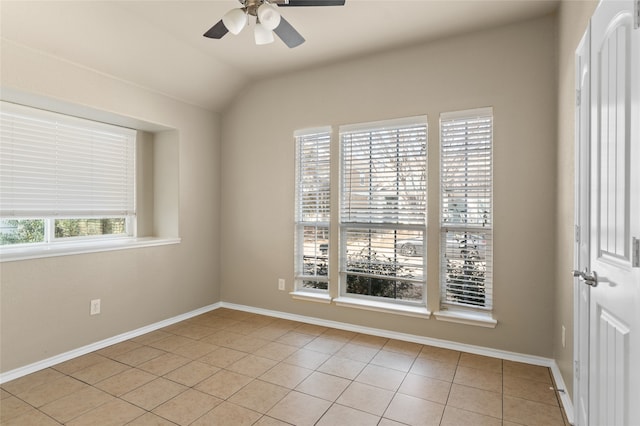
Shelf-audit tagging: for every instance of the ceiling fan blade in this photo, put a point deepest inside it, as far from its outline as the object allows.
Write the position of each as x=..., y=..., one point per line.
x=217, y=31
x=286, y=3
x=288, y=34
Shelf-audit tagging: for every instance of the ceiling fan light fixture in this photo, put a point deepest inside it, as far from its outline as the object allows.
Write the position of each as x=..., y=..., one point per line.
x=268, y=16
x=263, y=35
x=235, y=20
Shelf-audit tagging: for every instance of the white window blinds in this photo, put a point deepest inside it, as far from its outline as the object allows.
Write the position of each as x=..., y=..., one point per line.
x=56, y=165
x=384, y=172
x=313, y=208
x=466, y=213
x=383, y=209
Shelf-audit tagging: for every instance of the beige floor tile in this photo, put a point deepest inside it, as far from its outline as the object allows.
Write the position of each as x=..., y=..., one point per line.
x=400, y=346
x=125, y=381
x=138, y=356
x=357, y=352
x=286, y=375
x=76, y=404
x=530, y=389
x=222, y=338
x=270, y=421
x=31, y=417
x=259, y=396
x=195, y=350
x=425, y=388
x=270, y=332
x=307, y=359
x=294, y=338
x=100, y=371
x=25, y=383
x=164, y=364
x=299, y=409
x=323, y=386
x=252, y=366
x=227, y=414
x=526, y=371
x=119, y=348
x=244, y=327
x=151, y=337
x=395, y=360
x=340, y=335
x=4, y=394
x=114, y=413
x=366, y=398
x=414, y=411
x=223, y=384
x=185, y=408
x=51, y=390
x=325, y=345
x=12, y=407
x=531, y=413
x=341, y=415
x=195, y=332
x=150, y=419
x=275, y=351
x=480, y=379
x=192, y=373
x=434, y=369
x=312, y=329
x=342, y=367
x=480, y=362
x=222, y=357
x=456, y=417
x=247, y=344
x=154, y=393
x=389, y=422
x=476, y=400
x=374, y=342
x=79, y=363
x=440, y=354
x=381, y=377
x=171, y=343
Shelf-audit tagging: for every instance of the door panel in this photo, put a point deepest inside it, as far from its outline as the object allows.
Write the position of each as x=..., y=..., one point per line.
x=614, y=382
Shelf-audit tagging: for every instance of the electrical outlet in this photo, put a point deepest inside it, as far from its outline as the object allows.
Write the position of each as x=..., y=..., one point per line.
x=95, y=307
x=280, y=284
x=564, y=337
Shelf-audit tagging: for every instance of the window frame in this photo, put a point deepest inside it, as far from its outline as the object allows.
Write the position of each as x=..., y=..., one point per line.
x=347, y=226
x=322, y=137
x=35, y=127
x=466, y=227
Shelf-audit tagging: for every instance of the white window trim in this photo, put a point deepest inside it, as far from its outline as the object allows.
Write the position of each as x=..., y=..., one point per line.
x=27, y=252
x=417, y=311
x=311, y=296
x=468, y=317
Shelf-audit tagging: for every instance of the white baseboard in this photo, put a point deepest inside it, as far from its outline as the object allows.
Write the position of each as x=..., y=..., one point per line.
x=479, y=350
x=57, y=359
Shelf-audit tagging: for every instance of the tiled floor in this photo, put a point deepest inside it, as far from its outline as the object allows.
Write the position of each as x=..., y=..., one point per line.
x=232, y=368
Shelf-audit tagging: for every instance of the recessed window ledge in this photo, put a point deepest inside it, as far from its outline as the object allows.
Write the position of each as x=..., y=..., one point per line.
x=311, y=296
x=480, y=319
x=10, y=254
x=391, y=308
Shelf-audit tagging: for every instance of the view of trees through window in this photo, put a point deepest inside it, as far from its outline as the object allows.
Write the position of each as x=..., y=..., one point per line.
x=25, y=231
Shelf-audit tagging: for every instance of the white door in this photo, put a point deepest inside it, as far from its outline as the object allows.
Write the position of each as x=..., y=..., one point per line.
x=581, y=261
x=614, y=345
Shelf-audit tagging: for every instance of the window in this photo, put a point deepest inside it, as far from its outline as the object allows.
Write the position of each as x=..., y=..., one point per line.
x=383, y=210
x=313, y=209
x=466, y=214
x=63, y=178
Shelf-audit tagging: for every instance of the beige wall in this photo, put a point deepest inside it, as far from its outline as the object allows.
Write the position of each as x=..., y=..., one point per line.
x=573, y=18
x=44, y=303
x=512, y=69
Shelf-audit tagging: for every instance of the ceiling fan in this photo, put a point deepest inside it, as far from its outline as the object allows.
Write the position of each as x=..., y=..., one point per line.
x=268, y=20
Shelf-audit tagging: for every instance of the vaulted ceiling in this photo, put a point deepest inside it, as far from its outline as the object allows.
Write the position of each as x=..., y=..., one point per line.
x=158, y=44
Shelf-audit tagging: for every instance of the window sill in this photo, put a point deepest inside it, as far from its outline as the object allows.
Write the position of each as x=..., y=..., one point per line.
x=311, y=297
x=479, y=319
x=391, y=308
x=73, y=248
